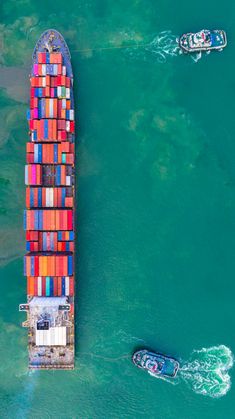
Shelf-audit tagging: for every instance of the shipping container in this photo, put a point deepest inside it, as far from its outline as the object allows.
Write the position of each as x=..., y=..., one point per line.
x=49, y=179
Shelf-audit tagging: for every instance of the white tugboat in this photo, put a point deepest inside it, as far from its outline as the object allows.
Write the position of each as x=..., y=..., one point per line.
x=156, y=364
x=205, y=40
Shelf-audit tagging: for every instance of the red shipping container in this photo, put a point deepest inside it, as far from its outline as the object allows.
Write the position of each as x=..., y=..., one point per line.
x=71, y=147
x=27, y=197
x=41, y=57
x=40, y=242
x=35, y=196
x=58, y=267
x=70, y=158
x=59, y=106
x=43, y=197
x=61, y=220
x=33, y=235
x=54, y=129
x=36, y=265
x=59, y=289
x=55, y=286
x=50, y=133
x=35, y=286
x=55, y=242
x=43, y=286
x=29, y=158
x=70, y=219
x=71, y=286
x=63, y=135
x=32, y=81
x=67, y=82
x=61, y=124
x=69, y=202
x=63, y=175
x=71, y=246
x=55, y=197
x=65, y=147
x=65, y=265
x=47, y=91
x=72, y=126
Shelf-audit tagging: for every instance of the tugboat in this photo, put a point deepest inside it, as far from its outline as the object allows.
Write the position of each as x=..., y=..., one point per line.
x=156, y=364
x=205, y=40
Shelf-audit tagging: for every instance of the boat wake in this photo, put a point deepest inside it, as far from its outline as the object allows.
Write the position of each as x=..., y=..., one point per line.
x=207, y=371
x=173, y=381
x=164, y=45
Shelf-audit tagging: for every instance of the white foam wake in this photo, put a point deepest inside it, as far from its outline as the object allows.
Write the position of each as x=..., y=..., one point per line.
x=207, y=371
x=164, y=45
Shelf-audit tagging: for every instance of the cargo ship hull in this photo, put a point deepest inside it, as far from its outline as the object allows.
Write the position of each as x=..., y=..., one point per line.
x=49, y=218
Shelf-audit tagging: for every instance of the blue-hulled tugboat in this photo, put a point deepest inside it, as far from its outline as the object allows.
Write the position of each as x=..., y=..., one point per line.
x=156, y=364
x=205, y=40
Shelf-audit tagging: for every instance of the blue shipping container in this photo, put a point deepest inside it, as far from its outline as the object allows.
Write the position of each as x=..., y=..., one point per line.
x=70, y=265
x=25, y=219
x=47, y=286
x=63, y=285
x=51, y=286
x=39, y=190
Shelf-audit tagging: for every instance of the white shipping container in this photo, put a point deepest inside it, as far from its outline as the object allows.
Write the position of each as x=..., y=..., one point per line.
x=51, y=108
x=51, y=199
x=26, y=178
x=59, y=91
x=55, y=69
x=63, y=70
x=44, y=69
x=71, y=115
x=67, y=93
x=35, y=153
x=63, y=103
x=39, y=286
x=67, y=126
x=67, y=285
x=47, y=197
x=44, y=82
x=68, y=180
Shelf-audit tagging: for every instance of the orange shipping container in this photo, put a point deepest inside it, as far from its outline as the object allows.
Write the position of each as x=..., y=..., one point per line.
x=54, y=129
x=30, y=285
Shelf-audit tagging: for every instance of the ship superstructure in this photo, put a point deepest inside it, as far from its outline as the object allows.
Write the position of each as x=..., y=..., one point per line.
x=49, y=219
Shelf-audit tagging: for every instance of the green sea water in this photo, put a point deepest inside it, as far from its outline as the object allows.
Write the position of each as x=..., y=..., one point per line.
x=156, y=210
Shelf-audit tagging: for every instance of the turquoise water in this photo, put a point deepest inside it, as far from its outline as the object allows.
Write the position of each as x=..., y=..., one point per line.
x=155, y=219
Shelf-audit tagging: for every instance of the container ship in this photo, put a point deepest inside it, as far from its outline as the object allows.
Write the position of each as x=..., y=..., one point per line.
x=50, y=204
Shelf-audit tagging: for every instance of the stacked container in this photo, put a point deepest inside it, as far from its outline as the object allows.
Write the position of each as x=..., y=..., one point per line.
x=49, y=177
